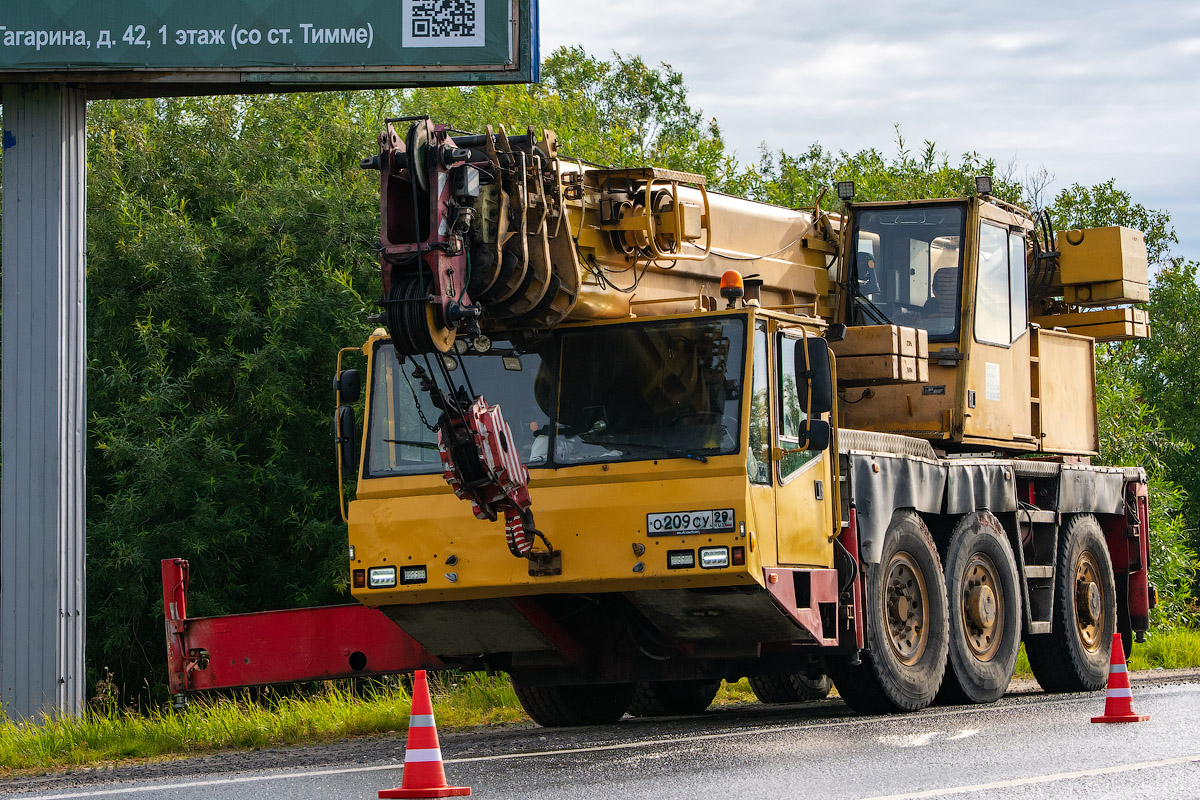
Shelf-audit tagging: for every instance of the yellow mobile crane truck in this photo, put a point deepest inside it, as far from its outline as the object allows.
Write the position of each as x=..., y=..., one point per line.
x=868, y=461
x=705, y=438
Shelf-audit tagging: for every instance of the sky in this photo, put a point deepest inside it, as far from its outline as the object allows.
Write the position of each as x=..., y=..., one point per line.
x=1089, y=91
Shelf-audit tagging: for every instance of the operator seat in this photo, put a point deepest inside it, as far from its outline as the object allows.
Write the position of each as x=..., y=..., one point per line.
x=945, y=292
x=868, y=282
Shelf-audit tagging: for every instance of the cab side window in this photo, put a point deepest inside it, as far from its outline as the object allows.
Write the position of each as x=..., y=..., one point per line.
x=1001, y=308
x=758, y=453
x=791, y=417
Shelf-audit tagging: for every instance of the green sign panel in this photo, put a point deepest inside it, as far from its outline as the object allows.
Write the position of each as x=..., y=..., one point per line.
x=347, y=42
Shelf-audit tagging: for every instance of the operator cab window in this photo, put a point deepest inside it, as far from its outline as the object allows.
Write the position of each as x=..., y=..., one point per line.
x=791, y=416
x=758, y=453
x=906, y=269
x=399, y=440
x=1000, y=303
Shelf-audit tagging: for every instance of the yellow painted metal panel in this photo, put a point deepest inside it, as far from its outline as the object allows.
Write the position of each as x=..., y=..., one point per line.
x=1097, y=317
x=1067, y=390
x=1102, y=255
x=1107, y=293
x=880, y=369
x=804, y=523
x=594, y=519
x=917, y=409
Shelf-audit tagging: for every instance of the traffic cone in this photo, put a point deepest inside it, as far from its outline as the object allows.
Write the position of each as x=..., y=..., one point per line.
x=1118, y=703
x=423, y=772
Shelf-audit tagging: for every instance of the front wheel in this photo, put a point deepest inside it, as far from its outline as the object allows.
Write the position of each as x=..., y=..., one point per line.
x=558, y=706
x=666, y=698
x=906, y=620
x=1074, y=656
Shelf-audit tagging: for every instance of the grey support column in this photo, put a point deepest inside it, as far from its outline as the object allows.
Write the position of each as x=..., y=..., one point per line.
x=42, y=401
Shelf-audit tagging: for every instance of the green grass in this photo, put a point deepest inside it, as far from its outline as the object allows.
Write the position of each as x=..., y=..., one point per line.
x=338, y=711
x=1177, y=648
x=206, y=726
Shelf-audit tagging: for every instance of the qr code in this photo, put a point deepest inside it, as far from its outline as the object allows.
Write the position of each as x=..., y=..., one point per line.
x=443, y=23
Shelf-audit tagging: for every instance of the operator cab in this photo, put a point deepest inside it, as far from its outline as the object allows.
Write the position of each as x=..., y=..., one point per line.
x=908, y=268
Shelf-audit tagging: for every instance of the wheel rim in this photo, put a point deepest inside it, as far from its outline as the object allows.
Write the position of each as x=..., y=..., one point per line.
x=1089, y=605
x=981, y=601
x=905, y=608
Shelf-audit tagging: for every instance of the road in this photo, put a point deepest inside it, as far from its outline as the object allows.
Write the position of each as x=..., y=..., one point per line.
x=1027, y=745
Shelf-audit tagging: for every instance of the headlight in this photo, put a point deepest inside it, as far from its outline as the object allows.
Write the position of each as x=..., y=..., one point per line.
x=714, y=557
x=381, y=577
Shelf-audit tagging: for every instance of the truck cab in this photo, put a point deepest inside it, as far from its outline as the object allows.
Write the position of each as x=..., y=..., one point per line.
x=957, y=269
x=672, y=466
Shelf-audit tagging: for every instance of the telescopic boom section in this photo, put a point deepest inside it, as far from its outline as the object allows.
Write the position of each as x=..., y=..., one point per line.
x=491, y=233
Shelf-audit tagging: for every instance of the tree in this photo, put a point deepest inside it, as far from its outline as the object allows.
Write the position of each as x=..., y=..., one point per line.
x=619, y=113
x=1103, y=205
x=796, y=181
x=230, y=254
x=1147, y=389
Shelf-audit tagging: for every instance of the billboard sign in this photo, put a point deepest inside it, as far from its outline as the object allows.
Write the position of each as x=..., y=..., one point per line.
x=153, y=47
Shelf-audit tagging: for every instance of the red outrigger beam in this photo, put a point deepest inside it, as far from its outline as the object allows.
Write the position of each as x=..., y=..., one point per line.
x=307, y=644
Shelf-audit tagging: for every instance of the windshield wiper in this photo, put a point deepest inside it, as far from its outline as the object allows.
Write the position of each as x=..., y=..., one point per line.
x=872, y=309
x=412, y=443
x=674, y=452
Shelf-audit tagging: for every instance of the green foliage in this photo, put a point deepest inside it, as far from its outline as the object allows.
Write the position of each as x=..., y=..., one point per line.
x=1146, y=392
x=795, y=181
x=617, y=113
x=230, y=249
x=1132, y=433
x=1103, y=205
x=1167, y=366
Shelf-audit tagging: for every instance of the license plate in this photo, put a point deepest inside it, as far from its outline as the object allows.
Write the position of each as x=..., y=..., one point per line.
x=679, y=523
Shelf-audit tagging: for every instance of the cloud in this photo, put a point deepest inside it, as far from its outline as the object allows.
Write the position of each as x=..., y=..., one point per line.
x=1088, y=92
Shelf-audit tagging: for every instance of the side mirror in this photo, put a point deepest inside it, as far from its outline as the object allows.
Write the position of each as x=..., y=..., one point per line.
x=817, y=432
x=348, y=385
x=814, y=374
x=346, y=437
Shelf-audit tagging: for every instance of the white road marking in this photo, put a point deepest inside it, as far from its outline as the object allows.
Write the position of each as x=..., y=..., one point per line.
x=1060, y=776
x=965, y=733
x=910, y=739
x=836, y=723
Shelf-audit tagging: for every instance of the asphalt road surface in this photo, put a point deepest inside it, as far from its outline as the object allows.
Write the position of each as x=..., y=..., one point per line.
x=1028, y=745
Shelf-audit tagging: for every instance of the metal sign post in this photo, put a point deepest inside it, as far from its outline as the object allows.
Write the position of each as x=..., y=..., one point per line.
x=42, y=401
x=54, y=55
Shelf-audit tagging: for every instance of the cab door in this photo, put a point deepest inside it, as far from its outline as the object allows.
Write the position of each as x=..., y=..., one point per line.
x=760, y=445
x=804, y=490
x=996, y=405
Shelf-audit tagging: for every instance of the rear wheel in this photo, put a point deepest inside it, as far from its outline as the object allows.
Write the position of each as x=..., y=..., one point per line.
x=906, y=621
x=1074, y=656
x=985, y=611
x=812, y=684
x=804, y=686
x=774, y=689
x=665, y=698
x=558, y=706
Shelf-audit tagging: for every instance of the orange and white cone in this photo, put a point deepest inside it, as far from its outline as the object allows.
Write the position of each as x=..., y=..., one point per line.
x=1118, y=703
x=423, y=772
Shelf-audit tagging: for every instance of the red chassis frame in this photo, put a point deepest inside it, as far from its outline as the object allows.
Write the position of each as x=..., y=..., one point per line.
x=306, y=644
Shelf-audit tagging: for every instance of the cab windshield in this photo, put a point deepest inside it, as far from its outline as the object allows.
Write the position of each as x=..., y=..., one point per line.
x=906, y=268
x=625, y=392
